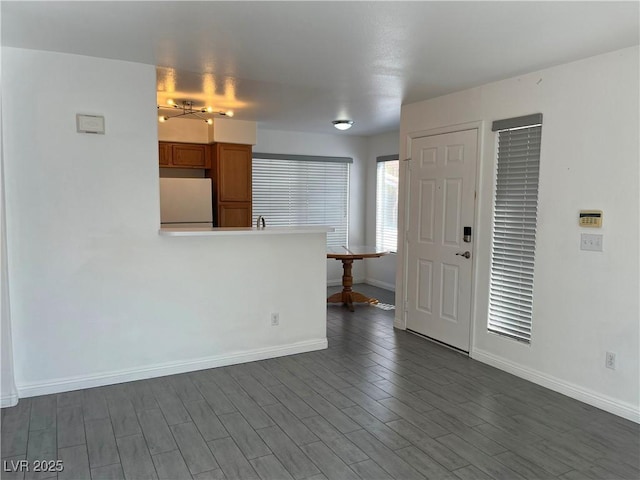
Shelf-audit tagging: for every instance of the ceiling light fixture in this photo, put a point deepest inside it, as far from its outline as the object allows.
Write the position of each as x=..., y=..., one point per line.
x=343, y=124
x=188, y=109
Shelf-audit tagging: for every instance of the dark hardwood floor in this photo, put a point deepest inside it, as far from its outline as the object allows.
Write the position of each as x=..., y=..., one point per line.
x=377, y=404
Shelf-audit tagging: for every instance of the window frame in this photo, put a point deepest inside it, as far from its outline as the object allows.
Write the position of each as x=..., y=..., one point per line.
x=380, y=231
x=514, y=226
x=295, y=197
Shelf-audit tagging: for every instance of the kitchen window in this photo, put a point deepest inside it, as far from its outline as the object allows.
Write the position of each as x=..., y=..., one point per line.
x=514, y=227
x=291, y=190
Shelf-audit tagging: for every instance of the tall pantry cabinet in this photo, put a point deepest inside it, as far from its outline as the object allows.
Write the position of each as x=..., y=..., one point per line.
x=231, y=179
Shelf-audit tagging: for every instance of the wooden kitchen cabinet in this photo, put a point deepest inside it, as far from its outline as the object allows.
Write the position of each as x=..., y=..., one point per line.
x=234, y=214
x=231, y=174
x=165, y=154
x=184, y=155
x=229, y=167
x=233, y=165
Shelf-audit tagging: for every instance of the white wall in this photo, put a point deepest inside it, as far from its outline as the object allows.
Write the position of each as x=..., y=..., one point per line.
x=381, y=271
x=297, y=143
x=8, y=392
x=585, y=303
x=193, y=130
x=225, y=130
x=97, y=296
x=189, y=130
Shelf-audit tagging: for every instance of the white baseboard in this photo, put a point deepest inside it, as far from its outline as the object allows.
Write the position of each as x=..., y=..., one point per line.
x=338, y=282
x=378, y=283
x=10, y=400
x=80, y=382
x=368, y=281
x=611, y=405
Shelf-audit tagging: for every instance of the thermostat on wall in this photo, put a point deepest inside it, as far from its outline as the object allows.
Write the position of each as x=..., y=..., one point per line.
x=590, y=218
x=90, y=123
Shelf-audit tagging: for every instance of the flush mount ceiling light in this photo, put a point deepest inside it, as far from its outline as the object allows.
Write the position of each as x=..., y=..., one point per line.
x=342, y=124
x=187, y=108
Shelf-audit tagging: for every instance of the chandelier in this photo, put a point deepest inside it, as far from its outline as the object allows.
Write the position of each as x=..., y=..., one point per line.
x=187, y=107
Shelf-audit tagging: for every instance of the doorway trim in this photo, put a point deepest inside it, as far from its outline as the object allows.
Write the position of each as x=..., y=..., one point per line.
x=400, y=321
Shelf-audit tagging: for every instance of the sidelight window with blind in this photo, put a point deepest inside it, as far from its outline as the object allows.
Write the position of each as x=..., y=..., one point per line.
x=387, y=173
x=514, y=226
x=291, y=190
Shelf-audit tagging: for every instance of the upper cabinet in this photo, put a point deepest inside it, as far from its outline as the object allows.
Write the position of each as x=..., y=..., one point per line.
x=165, y=154
x=184, y=155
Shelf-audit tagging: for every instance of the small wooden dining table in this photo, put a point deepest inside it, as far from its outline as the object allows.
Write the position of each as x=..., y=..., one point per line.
x=347, y=255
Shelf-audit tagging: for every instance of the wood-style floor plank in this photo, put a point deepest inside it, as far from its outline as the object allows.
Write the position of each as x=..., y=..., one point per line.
x=135, y=458
x=244, y=435
x=101, y=443
x=194, y=449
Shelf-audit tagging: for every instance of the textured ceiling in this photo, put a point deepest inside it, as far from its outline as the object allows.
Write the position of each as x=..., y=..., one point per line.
x=300, y=65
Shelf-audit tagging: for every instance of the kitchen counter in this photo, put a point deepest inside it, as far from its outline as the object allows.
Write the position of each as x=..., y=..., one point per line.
x=239, y=231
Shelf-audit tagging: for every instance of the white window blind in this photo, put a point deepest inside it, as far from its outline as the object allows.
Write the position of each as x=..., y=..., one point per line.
x=514, y=227
x=387, y=202
x=302, y=190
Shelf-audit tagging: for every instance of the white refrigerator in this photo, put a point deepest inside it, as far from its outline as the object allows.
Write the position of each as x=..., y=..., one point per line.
x=186, y=202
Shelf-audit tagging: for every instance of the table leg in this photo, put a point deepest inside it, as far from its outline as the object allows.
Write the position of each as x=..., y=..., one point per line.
x=347, y=296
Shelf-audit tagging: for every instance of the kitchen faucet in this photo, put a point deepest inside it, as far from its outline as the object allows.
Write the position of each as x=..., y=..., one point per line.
x=259, y=220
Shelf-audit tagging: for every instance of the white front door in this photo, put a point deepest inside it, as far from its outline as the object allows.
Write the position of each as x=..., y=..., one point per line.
x=441, y=198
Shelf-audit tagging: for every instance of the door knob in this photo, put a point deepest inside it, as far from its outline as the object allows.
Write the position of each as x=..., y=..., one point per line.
x=466, y=254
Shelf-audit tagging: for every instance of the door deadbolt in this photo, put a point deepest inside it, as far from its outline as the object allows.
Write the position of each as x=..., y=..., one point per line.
x=466, y=235
x=466, y=254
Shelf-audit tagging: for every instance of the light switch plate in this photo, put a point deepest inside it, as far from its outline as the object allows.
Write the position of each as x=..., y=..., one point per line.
x=591, y=242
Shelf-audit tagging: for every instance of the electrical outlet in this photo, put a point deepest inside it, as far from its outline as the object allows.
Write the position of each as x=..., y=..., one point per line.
x=592, y=242
x=275, y=319
x=610, y=360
